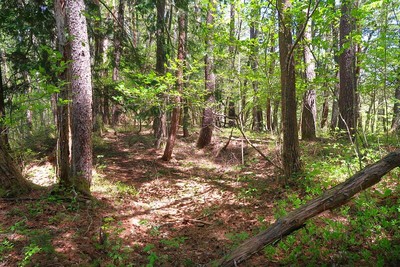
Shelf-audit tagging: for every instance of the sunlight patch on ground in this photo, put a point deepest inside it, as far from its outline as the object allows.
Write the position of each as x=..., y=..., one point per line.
x=43, y=175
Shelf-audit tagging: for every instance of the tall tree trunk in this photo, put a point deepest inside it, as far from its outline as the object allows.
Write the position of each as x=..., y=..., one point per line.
x=325, y=110
x=257, y=112
x=231, y=102
x=160, y=121
x=290, y=148
x=347, y=69
x=309, y=113
x=180, y=83
x=11, y=181
x=3, y=128
x=396, y=108
x=81, y=85
x=207, y=125
x=118, y=37
x=63, y=114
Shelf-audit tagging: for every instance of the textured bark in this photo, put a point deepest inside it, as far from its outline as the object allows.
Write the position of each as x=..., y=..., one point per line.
x=347, y=69
x=3, y=129
x=118, y=37
x=81, y=86
x=207, y=125
x=309, y=112
x=11, y=181
x=180, y=83
x=231, y=102
x=160, y=121
x=332, y=198
x=63, y=116
x=186, y=120
x=325, y=110
x=396, y=109
x=290, y=148
x=257, y=111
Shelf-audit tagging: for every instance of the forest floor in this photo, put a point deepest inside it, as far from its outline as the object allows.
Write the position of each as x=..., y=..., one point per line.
x=147, y=212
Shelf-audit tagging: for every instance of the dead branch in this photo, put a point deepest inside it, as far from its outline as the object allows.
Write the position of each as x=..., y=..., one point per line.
x=332, y=198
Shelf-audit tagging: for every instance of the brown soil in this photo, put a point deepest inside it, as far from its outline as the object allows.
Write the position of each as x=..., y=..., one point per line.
x=187, y=212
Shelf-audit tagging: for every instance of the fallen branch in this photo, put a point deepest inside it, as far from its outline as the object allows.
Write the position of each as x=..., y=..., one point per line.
x=332, y=198
x=253, y=146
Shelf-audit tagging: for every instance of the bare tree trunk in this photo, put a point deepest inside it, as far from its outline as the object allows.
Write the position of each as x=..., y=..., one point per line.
x=231, y=102
x=257, y=112
x=325, y=110
x=207, y=126
x=81, y=86
x=396, y=109
x=309, y=113
x=347, y=66
x=11, y=181
x=160, y=121
x=180, y=83
x=333, y=198
x=63, y=113
x=118, y=37
x=290, y=148
x=3, y=128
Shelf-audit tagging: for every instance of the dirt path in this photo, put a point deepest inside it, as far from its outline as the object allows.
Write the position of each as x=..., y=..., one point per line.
x=183, y=213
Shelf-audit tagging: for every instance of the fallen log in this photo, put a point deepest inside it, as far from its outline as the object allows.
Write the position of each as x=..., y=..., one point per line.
x=330, y=199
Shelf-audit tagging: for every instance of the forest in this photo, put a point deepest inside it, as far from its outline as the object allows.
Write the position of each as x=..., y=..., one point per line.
x=199, y=133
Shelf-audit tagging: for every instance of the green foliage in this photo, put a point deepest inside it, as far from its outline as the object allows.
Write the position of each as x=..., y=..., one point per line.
x=173, y=242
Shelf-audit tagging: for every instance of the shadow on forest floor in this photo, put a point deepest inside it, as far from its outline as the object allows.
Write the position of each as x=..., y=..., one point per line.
x=187, y=212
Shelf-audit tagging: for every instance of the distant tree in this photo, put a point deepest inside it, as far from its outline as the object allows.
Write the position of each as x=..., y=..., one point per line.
x=179, y=84
x=160, y=121
x=81, y=87
x=3, y=128
x=63, y=115
x=309, y=113
x=290, y=147
x=347, y=69
x=207, y=125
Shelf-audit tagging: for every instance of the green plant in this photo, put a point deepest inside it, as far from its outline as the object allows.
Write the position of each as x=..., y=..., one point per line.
x=5, y=246
x=237, y=238
x=152, y=256
x=29, y=251
x=173, y=242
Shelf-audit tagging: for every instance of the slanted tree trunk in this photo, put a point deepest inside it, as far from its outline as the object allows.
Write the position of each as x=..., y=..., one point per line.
x=11, y=181
x=309, y=113
x=290, y=147
x=180, y=82
x=347, y=70
x=332, y=198
x=207, y=125
x=81, y=87
x=63, y=115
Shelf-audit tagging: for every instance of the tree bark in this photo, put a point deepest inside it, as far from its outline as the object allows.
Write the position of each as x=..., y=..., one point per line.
x=63, y=113
x=180, y=83
x=3, y=128
x=396, y=108
x=118, y=37
x=11, y=181
x=81, y=86
x=207, y=125
x=332, y=198
x=160, y=121
x=347, y=70
x=290, y=148
x=309, y=113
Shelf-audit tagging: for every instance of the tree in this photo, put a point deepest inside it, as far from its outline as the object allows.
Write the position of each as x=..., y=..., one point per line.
x=3, y=129
x=309, y=113
x=81, y=87
x=290, y=147
x=63, y=119
x=180, y=83
x=207, y=125
x=347, y=70
x=160, y=121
